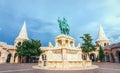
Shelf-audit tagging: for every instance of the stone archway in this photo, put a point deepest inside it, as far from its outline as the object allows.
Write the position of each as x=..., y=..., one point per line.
x=112, y=57
x=118, y=56
x=92, y=57
x=107, y=57
x=8, y=58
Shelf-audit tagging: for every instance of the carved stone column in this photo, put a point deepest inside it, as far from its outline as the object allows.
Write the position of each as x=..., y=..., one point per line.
x=12, y=59
x=16, y=59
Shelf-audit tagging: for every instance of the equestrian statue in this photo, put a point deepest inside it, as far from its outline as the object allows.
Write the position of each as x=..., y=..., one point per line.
x=64, y=27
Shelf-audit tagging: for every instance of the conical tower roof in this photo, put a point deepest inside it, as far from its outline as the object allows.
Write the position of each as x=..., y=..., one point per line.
x=101, y=34
x=23, y=32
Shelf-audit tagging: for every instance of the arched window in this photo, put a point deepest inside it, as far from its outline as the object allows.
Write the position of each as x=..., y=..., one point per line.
x=107, y=57
x=118, y=56
x=8, y=58
x=19, y=43
x=66, y=42
x=112, y=57
x=59, y=42
x=104, y=44
x=92, y=57
x=71, y=43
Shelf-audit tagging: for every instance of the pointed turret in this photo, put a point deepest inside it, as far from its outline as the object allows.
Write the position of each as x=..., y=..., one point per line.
x=102, y=39
x=23, y=32
x=22, y=35
x=101, y=34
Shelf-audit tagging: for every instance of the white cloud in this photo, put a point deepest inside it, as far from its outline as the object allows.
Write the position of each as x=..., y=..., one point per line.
x=110, y=19
x=112, y=14
x=113, y=34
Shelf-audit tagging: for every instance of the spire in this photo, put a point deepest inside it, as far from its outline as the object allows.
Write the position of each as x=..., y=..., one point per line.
x=101, y=34
x=23, y=32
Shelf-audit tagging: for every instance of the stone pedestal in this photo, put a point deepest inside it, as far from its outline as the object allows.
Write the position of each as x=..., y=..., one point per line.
x=64, y=55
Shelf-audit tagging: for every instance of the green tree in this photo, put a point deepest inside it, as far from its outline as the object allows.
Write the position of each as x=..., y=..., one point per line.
x=28, y=48
x=101, y=54
x=87, y=45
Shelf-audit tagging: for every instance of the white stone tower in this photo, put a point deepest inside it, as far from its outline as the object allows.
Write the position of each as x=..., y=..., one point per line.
x=22, y=35
x=102, y=39
x=20, y=38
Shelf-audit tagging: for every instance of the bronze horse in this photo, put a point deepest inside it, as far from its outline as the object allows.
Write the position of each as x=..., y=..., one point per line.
x=64, y=27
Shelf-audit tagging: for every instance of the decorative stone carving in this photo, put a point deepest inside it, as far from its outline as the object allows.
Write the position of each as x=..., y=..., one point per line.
x=64, y=56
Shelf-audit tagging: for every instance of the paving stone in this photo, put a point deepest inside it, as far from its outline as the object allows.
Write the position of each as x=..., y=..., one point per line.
x=27, y=68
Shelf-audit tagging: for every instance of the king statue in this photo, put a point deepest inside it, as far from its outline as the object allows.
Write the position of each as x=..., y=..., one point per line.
x=64, y=27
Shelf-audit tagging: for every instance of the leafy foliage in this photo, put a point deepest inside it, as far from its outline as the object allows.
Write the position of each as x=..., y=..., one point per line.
x=87, y=45
x=101, y=54
x=29, y=48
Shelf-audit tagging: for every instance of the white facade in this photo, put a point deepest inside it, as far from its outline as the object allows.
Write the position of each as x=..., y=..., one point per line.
x=64, y=55
x=102, y=39
x=8, y=52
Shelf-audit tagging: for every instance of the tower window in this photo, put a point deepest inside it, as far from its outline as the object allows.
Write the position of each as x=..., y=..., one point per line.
x=71, y=43
x=105, y=44
x=19, y=43
x=59, y=42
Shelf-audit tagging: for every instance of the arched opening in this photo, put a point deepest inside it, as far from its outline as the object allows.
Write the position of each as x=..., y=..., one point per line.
x=97, y=44
x=59, y=43
x=118, y=56
x=19, y=43
x=112, y=57
x=71, y=43
x=8, y=58
x=107, y=57
x=92, y=57
x=104, y=44
x=66, y=42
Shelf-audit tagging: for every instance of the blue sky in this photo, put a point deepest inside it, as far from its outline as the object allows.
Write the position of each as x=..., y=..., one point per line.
x=83, y=16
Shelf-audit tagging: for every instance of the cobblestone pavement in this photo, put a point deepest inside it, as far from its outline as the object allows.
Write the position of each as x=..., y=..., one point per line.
x=27, y=68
